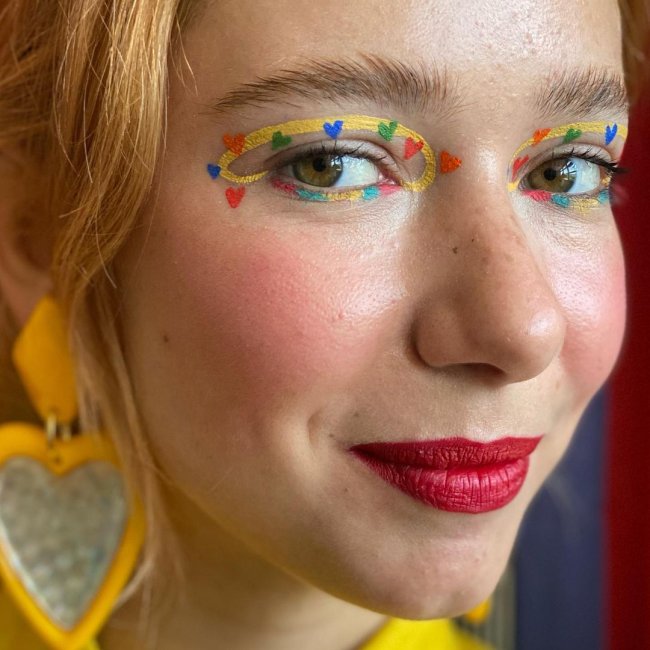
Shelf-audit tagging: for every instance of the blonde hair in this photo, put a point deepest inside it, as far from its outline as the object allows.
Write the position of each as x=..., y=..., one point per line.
x=83, y=96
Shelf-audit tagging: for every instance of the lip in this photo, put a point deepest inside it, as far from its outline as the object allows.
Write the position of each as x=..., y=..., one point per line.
x=453, y=474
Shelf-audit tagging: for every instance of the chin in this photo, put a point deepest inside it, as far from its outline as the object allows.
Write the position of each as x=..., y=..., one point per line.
x=440, y=581
x=440, y=600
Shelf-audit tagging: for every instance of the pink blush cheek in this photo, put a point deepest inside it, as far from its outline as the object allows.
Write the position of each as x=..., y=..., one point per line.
x=591, y=289
x=291, y=312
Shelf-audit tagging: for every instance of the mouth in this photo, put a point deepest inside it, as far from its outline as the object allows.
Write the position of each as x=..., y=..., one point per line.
x=453, y=474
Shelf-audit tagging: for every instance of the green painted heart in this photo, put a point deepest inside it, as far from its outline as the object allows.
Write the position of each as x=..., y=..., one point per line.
x=279, y=140
x=572, y=134
x=387, y=131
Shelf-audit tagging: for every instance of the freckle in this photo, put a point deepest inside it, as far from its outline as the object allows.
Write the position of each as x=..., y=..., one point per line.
x=165, y=338
x=455, y=249
x=356, y=414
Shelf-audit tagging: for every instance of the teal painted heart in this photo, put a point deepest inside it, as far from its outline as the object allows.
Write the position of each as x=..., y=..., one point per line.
x=572, y=134
x=561, y=200
x=279, y=140
x=387, y=131
x=370, y=193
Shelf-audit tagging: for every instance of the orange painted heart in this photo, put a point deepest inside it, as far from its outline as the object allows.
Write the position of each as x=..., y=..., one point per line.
x=517, y=165
x=234, y=142
x=449, y=163
x=411, y=147
x=539, y=135
x=235, y=195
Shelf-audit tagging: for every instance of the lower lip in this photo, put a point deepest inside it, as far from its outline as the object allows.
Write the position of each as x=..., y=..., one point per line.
x=468, y=489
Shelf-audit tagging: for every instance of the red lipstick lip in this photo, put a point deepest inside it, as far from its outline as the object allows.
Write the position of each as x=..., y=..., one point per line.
x=453, y=474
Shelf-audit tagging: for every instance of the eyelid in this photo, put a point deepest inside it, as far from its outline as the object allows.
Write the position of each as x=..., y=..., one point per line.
x=585, y=151
x=384, y=161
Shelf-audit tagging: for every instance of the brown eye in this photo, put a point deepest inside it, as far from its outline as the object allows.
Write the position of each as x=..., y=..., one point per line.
x=320, y=171
x=557, y=176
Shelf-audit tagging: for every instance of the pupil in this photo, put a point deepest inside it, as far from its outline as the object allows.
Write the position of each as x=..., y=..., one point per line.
x=319, y=164
x=550, y=174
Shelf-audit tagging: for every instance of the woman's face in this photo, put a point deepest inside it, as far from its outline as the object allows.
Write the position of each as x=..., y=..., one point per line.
x=265, y=340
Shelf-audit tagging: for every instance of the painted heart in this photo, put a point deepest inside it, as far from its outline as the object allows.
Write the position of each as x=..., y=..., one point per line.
x=214, y=170
x=411, y=147
x=387, y=131
x=572, y=134
x=235, y=143
x=278, y=140
x=539, y=195
x=61, y=533
x=562, y=201
x=610, y=133
x=334, y=129
x=370, y=193
x=539, y=135
x=449, y=163
x=518, y=164
x=235, y=195
x=603, y=197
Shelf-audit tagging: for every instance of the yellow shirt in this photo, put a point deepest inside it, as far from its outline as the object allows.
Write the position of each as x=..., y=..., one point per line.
x=397, y=634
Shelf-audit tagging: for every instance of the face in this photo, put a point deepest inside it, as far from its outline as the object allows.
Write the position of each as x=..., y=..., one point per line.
x=270, y=329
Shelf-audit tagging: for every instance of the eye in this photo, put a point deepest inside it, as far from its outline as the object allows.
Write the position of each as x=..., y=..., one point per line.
x=334, y=171
x=568, y=175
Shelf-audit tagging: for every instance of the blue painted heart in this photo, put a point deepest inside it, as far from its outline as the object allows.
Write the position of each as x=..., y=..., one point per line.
x=333, y=129
x=214, y=170
x=610, y=133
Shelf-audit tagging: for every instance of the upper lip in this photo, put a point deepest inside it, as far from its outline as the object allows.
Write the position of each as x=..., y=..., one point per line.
x=447, y=453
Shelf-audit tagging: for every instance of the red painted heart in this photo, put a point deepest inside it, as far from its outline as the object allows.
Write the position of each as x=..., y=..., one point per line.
x=517, y=165
x=539, y=195
x=234, y=142
x=539, y=135
x=235, y=195
x=449, y=163
x=411, y=147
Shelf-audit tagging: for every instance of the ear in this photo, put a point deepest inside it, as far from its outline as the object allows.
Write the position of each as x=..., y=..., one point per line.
x=25, y=248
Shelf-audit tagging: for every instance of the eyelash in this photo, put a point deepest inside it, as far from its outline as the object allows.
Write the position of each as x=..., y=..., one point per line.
x=382, y=161
x=611, y=166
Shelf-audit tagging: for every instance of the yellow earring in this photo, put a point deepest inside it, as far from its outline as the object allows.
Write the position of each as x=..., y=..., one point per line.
x=69, y=534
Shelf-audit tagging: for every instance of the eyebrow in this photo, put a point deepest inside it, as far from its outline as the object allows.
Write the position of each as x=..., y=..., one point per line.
x=388, y=82
x=584, y=92
x=414, y=88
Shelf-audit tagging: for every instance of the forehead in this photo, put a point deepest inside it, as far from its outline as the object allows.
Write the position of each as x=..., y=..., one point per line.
x=486, y=42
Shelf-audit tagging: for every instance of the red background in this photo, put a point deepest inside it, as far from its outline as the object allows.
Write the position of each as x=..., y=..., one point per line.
x=628, y=444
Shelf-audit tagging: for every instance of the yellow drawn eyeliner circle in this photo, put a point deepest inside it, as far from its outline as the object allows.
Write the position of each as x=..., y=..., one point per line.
x=599, y=128
x=350, y=122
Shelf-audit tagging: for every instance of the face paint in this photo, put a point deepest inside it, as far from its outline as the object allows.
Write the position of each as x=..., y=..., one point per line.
x=569, y=133
x=579, y=203
x=280, y=136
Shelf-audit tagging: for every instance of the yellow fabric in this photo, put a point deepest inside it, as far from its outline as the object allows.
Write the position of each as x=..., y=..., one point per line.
x=397, y=634
x=423, y=635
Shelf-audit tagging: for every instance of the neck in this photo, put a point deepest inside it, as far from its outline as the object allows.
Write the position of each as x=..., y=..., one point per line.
x=234, y=595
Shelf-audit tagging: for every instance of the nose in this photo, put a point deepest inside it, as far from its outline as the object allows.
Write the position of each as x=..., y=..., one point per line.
x=489, y=304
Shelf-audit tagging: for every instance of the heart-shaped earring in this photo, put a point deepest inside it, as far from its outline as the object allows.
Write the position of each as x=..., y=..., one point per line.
x=69, y=533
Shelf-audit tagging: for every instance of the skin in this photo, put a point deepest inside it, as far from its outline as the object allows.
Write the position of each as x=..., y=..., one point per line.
x=264, y=341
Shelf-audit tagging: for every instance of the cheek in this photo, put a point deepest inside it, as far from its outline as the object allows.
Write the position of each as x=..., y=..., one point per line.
x=591, y=289
x=286, y=311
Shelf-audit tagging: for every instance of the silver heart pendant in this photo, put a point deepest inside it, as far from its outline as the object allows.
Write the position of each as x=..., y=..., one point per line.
x=60, y=533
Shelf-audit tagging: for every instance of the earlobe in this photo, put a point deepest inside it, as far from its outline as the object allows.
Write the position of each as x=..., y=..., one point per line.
x=23, y=280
